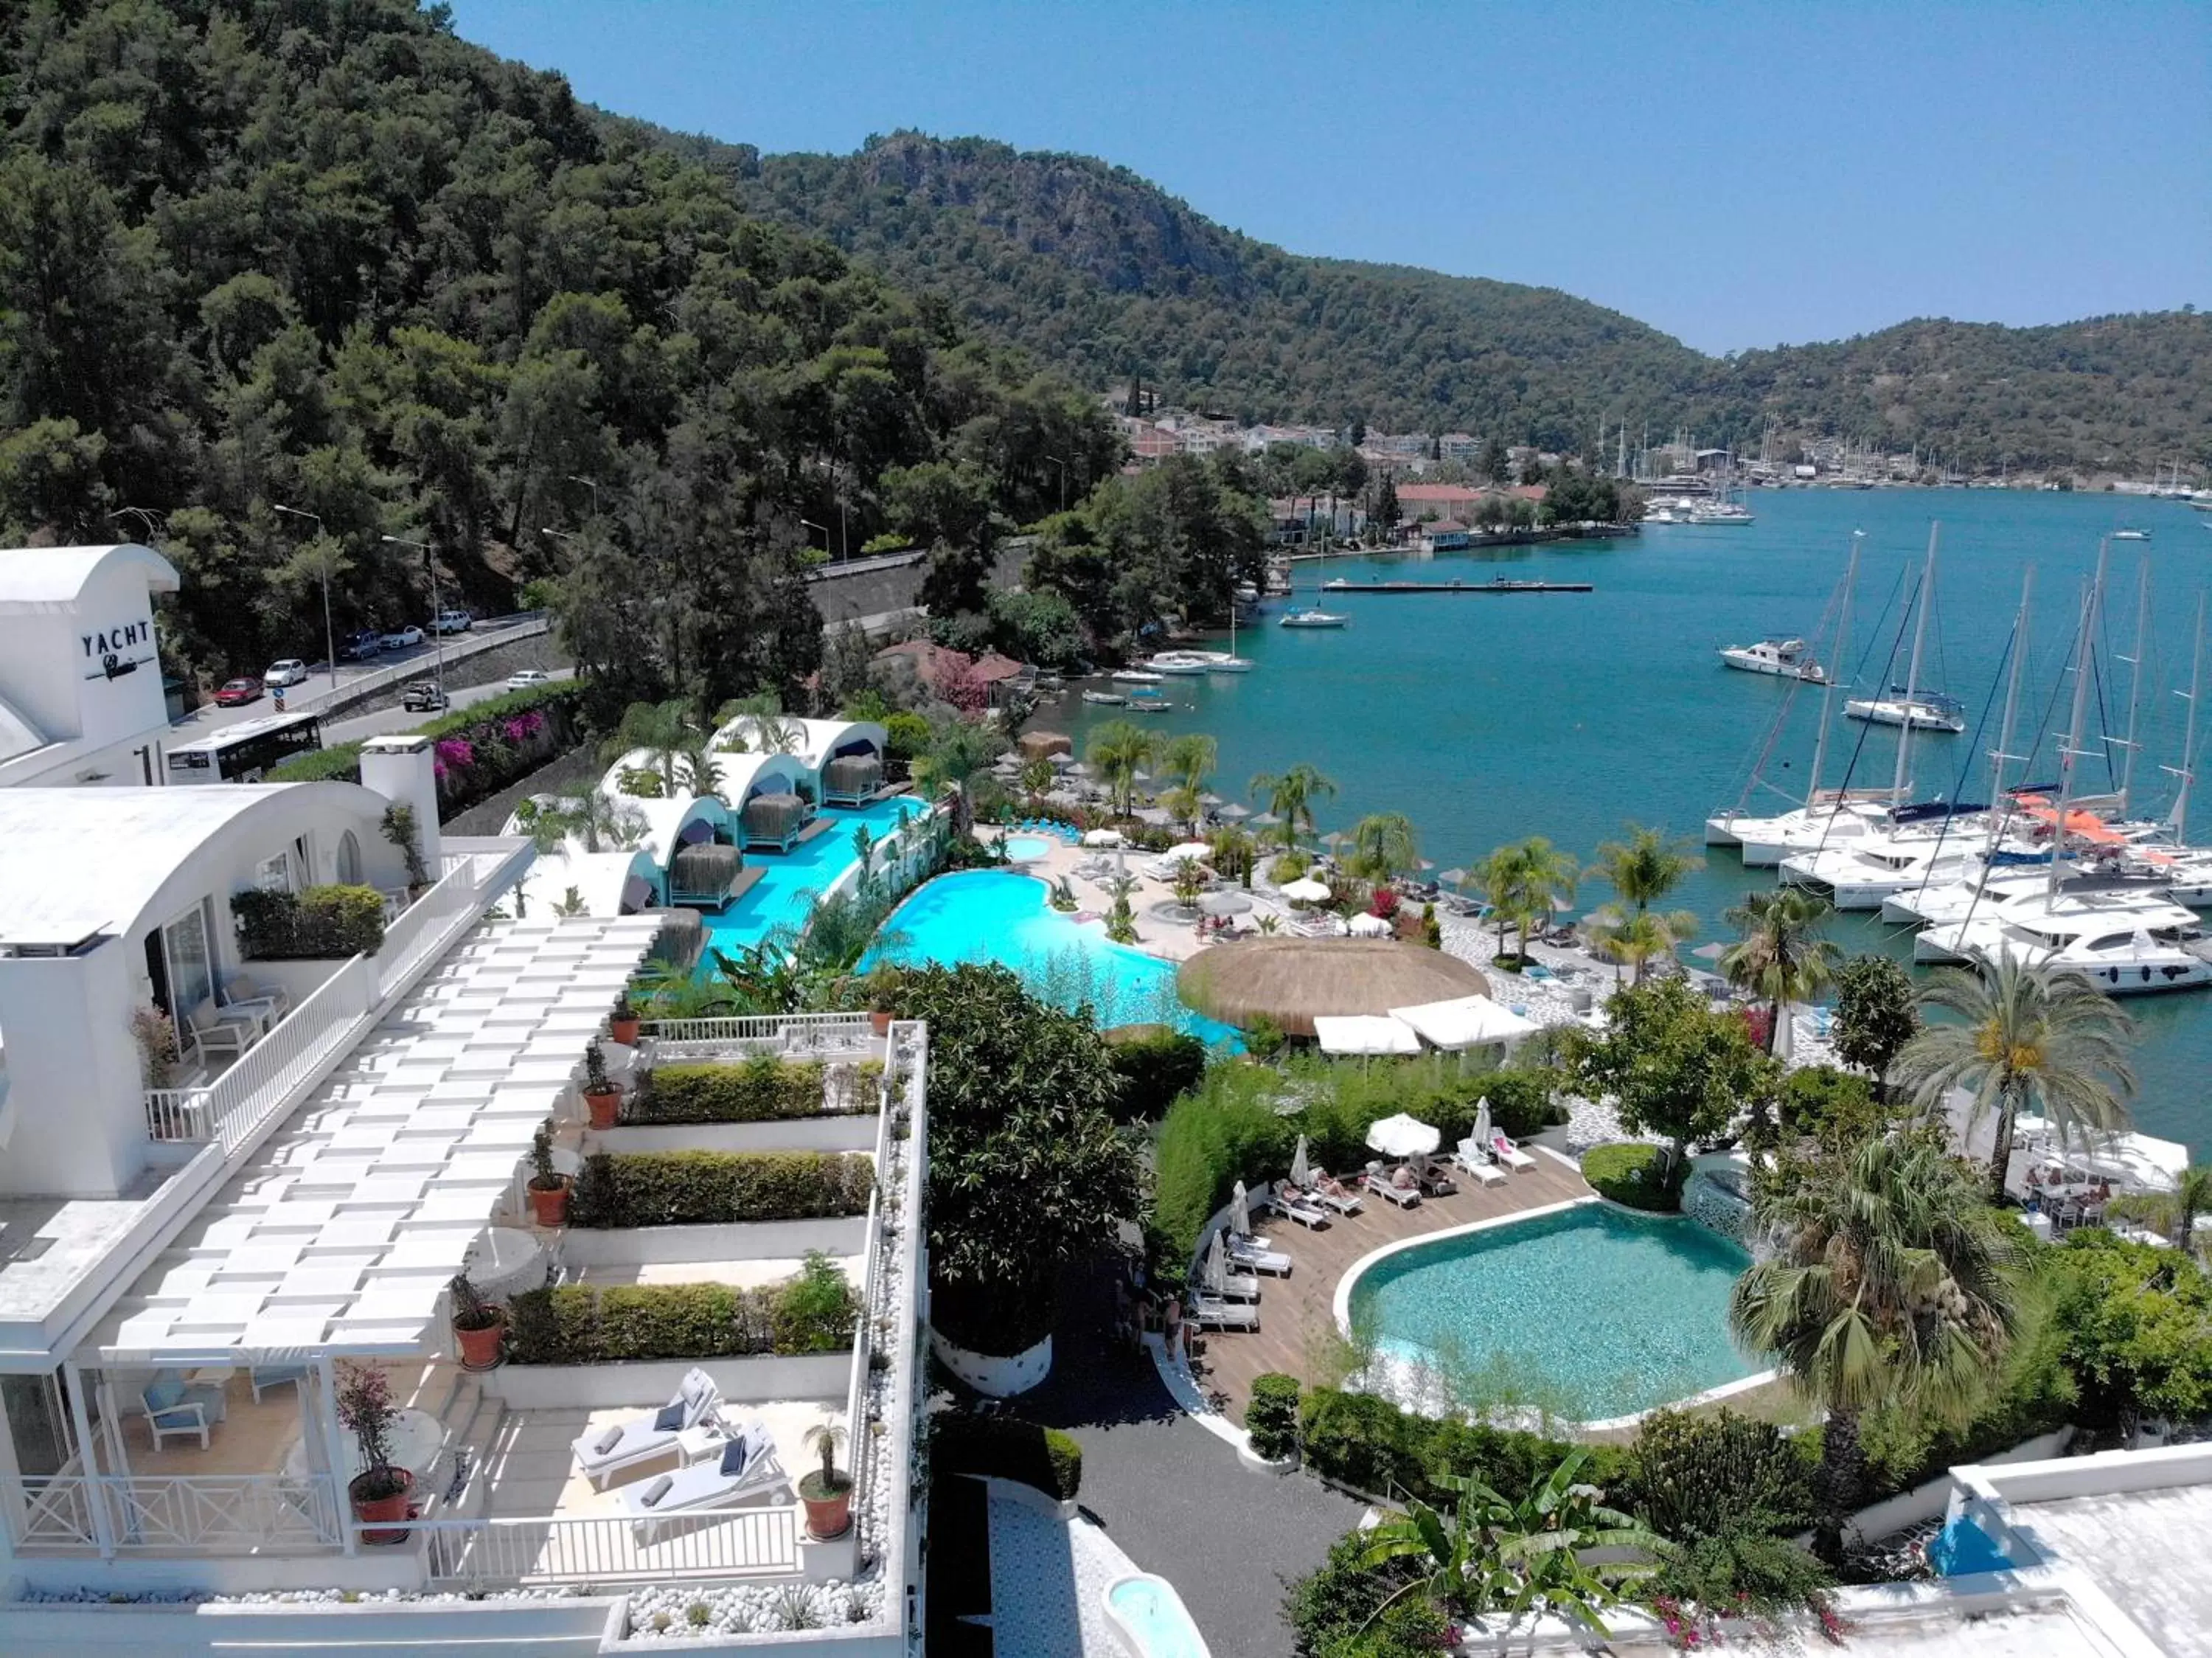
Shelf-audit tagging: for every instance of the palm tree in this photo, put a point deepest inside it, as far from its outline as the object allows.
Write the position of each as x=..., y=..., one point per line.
x=2021, y=1040
x=592, y=817
x=1886, y=1285
x=1781, y=955
x=1291, y=796
x=2175, y=1212
x=1546, y=873
x=763, y=716
x=957, y=750
x=1499, y=877
x=1639, y=935
x=1382, y=843
x=1524, y=1559
x=1192, y=759
x=699, y=773
x=1646, y=867
x=663, y=731
x=1119, y=749
x=1036, y=779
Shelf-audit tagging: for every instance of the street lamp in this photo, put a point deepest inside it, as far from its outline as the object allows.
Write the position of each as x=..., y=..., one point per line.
x=1062, y=465
x=330, y=639
x=437, y=634
x=808, y=523
x=577, y=478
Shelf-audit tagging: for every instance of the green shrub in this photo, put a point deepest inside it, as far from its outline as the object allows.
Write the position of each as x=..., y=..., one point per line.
x=815, y=1311
x=1370, y=1444
x=640, y=783
x=1153, y=1068
x=1342, y=1610
x=696, y=1188
x=499, y=761
x=321, y=923
x=905, y=735
x=1209, y=1142
x=1630, y=1175
x=1272, y=1416
x=1707, y=1475
x=616, y=1323
x=761, y=1089
x=1007, y=1448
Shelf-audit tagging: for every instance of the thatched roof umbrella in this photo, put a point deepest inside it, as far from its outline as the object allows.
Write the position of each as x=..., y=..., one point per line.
x=1043, y=745
x=1289, y=980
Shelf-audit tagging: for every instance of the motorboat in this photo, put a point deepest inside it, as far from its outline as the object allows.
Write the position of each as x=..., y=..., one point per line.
x=1861, y=877
x=1314, y=618
x=1137, y=676
x=2131, y=535
x=1183, y=664
x=1105, y=699
x=2124, y=945
x=1923, y=710
x=1721, y=512
x=2003, y=894
x=1764, y=842
x=1789, y=659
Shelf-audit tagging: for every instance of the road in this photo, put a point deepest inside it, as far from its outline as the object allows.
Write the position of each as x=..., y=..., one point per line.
x=399, y=719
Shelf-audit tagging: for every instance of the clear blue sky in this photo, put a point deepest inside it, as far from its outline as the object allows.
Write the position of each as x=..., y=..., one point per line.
x=1739, y=175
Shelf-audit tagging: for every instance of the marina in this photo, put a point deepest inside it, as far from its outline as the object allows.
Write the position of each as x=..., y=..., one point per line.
x=1499, y=585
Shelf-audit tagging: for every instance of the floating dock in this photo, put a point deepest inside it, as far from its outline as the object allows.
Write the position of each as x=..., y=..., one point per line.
x=1501, y=585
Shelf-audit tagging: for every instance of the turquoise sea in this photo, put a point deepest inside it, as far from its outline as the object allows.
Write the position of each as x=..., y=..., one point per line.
x=1488, y=718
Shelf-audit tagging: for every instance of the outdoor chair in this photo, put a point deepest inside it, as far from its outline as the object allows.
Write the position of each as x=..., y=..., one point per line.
x=641, y=1439
x=1233, y=1286
x=1386, y=1185
x=173, y=1408
x=1472, y=1158
x=1211, y=1312
x=213, y=1032
x=239, y=993
x=1334, y=1194
x=1300, y=1208
x=1508, y=1154
x=265, y=1376
x=1434, y=1178
x=1247, y=1251
x=746, y=1467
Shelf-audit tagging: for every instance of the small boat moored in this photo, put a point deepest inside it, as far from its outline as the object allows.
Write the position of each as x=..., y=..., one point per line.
x=1105, y=699
x=1924, y=711
x=1314, y=618
x=1789, y=659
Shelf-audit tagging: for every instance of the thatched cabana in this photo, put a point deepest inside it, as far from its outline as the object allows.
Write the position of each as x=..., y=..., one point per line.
x=1291, y=980
x=774, y=821
x=850, y=779
x=705, y=875
x=1043, y=745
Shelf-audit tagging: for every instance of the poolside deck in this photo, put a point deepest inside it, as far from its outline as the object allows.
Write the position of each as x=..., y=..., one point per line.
x=1296, y=1314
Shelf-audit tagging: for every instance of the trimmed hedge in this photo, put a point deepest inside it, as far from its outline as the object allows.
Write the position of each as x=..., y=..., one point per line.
x=501, y=744
x=761, y=1089
x=701, y=1188
x=612, y=1324
x=321, y=923
x=1272, y=1416
x=1629, y=1174
x=1005, y=1448
x=1372, y=1445
x=1154, y=1066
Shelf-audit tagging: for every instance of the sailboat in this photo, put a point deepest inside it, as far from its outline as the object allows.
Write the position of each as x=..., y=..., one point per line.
x=1908, y=706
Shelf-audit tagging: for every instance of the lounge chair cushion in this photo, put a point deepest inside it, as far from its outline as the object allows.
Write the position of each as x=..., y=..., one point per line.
x=165, y=1395
x=735, y=1455
x=671, y=1418
x=660, y=1488
x=609, y=1439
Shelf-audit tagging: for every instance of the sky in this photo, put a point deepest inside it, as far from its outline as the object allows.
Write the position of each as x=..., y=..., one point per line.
x=1738, y=175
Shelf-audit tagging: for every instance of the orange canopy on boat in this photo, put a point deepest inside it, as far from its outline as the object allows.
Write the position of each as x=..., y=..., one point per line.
x=2086, y=825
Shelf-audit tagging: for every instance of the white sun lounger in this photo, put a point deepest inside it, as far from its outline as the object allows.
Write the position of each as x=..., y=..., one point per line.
x=1208, y=1311
x=703, y=1486
x=1344, y=1203
x=1476, y=1162
x=1251, y=1252
x=1508, y=1154
x=1237, y=1287
x=1306, y=1213
x=610, y=1450
x=1404, y=1196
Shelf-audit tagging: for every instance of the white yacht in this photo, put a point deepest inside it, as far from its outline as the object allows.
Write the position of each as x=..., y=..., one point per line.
x=2124, y=946
x=1722, y=512
x=1314, y=618
x=1941, y=903
x=1183, y=663
x=1788, y=659
x=1859, y=877
x=1764, y=842
x=1923, y=710
x=1137, y=676
x=2131, y=535
x=1104, y=698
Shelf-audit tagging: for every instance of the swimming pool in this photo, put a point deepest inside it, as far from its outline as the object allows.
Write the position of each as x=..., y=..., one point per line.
x=1028, y=849
x=791, y=881
x=993, y=915
x=1596, y=1312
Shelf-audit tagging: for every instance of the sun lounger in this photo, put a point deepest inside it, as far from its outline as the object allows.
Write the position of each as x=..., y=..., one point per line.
x=1209, y=1312
x=1508, y=1154
x=746, y=1467
x=1251, y=1252
x=610, y=1450
x=1404, y=1196
x=1301, y=1209
x=1345, y=1201
x=1435, y=1179
x=1237, y=1287
x=1476, y=1162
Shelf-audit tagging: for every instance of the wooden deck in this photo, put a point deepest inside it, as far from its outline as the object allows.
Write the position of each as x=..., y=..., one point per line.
x=1296, y=1314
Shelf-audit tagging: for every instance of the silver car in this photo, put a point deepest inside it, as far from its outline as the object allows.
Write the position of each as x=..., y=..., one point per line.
x=290, y=671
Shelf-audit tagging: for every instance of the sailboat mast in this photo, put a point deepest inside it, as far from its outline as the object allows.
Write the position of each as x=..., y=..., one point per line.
x=1828, y=683
x=2187, y=770
x=2072, y=749
x=1912, y=672
x=2003, y=751
x=2134, y=682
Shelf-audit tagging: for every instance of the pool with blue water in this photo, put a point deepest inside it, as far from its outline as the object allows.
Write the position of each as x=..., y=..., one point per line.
x=791, y=881
x=1595, y=1312
x=996, y=916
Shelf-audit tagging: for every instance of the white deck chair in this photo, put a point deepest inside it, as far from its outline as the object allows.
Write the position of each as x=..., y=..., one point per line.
x=1298, y=1208
x=1237, y=1287
x=708, y=1484
x=641, y=1439
x=1251, y=1252
x=1508, y=1154
x=1379, y=1182
x=1346, y=1202
x=1471, y=1157
x=1211, y=1312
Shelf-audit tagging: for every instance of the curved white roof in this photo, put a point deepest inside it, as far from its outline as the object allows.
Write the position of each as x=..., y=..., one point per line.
x=45, y=578
x=745, y=776
x=84, y=861
x=812, y=741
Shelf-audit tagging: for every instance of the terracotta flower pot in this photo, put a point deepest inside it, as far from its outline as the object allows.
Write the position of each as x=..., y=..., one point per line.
x=383, y=1510
x=480, y=1348
x=604, y=1107
x=623, y=1030
x=551, y=1204
x=880, y=1023
x=829, y=1515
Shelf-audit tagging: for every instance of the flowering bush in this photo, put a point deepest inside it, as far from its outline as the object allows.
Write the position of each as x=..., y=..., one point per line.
x=521, y=728
x=1383, y=902
x=456, y=752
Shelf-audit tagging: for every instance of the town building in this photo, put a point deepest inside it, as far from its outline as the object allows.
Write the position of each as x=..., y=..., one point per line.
x=80, y=693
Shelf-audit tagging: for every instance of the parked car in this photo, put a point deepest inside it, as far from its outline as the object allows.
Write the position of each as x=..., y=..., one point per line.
x=236, y=693
x=402, y=638
x=454, y=621
x=523, y=678
x=290, y=671
x=359, y=647
x=424, y=696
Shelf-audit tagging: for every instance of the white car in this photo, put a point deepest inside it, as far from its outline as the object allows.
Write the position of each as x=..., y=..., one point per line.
x=403, y=638
x=453, y=621
x=523, y=678
x=290, y=671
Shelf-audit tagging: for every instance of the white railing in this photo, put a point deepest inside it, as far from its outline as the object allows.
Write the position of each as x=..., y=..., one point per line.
x=197, y=1513
x=612, y=1548
x=424, y=926
x=797, y=1034
x=497, y=631
x=177, y=1114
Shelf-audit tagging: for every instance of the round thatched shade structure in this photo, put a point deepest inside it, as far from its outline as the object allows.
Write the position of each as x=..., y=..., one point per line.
x=1290, y=980
x=1043, y=745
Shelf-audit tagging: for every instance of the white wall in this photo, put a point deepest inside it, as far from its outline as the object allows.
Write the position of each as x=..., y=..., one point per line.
x=53, y=669
x=74, y=1080
x=646, y=1382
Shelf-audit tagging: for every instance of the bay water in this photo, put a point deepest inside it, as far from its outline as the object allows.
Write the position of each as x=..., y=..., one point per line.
x=1487, y=718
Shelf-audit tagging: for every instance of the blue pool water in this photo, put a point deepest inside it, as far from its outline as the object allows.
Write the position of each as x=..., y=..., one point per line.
x=794, y=879
x=1595, y=1312
x=992, y=915
x=1028, y=849
x=1152, y=1611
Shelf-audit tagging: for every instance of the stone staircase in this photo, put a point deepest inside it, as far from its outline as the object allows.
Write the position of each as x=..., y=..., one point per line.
x=472, y=1420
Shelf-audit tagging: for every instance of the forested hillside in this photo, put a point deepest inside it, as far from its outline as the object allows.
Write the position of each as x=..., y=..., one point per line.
x=1093, y=268
x=323, y=254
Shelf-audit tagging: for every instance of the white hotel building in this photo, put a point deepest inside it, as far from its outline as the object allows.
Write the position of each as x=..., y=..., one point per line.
x=184, y=1269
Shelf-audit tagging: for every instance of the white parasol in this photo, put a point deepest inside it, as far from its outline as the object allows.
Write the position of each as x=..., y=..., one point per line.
x=1102, y=837
x=1215, y=1273
x=1482, y=1123
x=1370, y=926
x=1301, y=1176
x=1240, y=1212
x=1403, y=1136
x=1306, y=890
